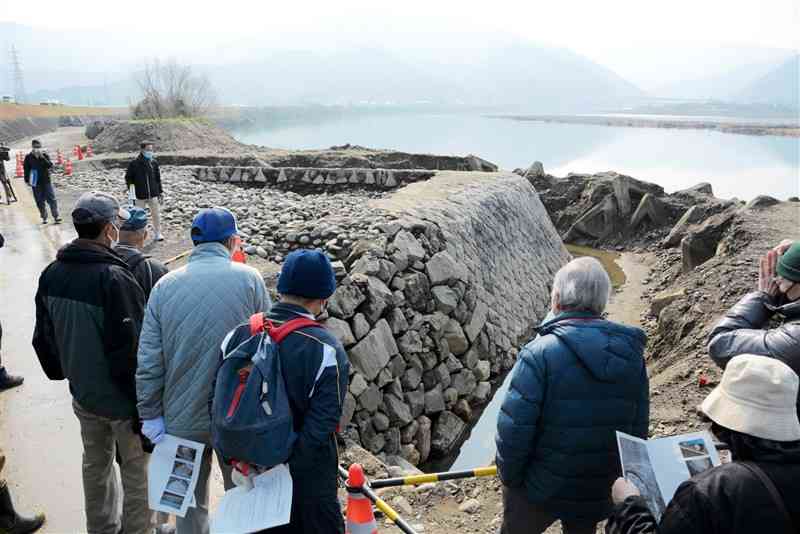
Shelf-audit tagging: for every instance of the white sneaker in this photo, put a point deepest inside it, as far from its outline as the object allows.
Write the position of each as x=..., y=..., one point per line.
x=159, y=237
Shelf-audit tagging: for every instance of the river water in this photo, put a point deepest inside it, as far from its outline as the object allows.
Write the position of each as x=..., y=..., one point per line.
x=739, y=166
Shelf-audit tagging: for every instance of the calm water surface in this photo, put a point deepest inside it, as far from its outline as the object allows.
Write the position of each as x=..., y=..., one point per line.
x=739, y=166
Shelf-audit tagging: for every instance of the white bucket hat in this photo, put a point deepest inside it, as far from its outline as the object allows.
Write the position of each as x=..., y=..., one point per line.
x=757, y=396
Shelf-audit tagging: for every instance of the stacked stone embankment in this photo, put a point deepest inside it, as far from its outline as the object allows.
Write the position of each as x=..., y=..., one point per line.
x=432, y=308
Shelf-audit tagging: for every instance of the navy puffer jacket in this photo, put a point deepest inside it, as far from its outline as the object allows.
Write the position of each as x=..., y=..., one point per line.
x=572, y=388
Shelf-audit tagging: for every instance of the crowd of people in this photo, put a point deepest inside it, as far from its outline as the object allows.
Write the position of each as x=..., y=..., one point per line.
x=141, y=347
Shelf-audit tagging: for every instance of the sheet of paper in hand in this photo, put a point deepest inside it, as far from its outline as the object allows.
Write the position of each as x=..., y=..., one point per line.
x=658, y=466
x=267, y=504
x=172, y=475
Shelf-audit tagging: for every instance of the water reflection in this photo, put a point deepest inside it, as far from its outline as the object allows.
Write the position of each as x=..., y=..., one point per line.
x=736, y=165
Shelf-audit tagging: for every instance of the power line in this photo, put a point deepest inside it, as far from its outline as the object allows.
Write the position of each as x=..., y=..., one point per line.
x=18, y=79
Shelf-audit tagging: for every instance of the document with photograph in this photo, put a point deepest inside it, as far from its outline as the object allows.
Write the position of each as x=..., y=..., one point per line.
x=172, y=475
x=658, y=466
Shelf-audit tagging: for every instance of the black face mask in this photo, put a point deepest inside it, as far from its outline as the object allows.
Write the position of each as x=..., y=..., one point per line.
x=745, y=447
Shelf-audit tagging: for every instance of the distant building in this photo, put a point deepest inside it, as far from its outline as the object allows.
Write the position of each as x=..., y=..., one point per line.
x=7, y=99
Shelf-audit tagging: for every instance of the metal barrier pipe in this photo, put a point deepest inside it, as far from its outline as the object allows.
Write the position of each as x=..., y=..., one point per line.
x=380, y=504
x=416, y=480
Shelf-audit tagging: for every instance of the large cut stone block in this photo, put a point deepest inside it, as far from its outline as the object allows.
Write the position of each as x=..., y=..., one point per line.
x=373, y=352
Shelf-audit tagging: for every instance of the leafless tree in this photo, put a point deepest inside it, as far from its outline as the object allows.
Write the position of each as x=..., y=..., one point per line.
x=170, y=89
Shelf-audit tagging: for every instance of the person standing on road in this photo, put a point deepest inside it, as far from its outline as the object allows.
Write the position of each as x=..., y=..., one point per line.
x=37, y=167
x=7, y=381
x=571, y=389
x=144, y=177
x=316, y=370
x=189, y=313
x=89, y=310
x=132, y=236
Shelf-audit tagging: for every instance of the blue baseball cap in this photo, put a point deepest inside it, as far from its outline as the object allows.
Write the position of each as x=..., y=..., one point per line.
x=136, y=221
x=307, y=273
x=213, y=224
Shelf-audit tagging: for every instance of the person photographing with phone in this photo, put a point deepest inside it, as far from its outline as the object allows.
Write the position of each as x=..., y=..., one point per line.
x=143, y=181
x=37, y=167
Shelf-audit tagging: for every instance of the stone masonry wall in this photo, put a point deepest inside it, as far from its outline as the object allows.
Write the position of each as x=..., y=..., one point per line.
x=307, y=180
x=432, y=310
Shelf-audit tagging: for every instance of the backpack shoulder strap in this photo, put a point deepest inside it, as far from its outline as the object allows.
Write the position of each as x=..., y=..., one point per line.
x=279, y=333
x=773, y=492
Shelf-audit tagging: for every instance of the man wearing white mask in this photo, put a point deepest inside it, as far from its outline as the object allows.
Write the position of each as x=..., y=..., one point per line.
x=89, y=310
x=143, y=180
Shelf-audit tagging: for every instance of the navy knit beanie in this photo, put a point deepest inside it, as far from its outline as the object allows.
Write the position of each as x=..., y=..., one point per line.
x=307, y=273
x=789, y=264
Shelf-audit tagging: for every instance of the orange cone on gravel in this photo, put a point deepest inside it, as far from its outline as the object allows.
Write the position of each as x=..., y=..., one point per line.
x=360, y=519
x=80, y=153
x=20, y=171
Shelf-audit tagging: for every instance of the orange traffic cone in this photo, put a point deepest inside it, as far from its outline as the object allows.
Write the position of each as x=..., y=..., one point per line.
x=20, y=170
x=238, y=256
x=80, y=153
x=75, y=151
x=59, y=157
x=360, y=519
x=68, y=168
x=89, y=152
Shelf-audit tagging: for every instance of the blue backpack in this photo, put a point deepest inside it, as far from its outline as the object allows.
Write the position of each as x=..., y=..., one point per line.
x=251, y=418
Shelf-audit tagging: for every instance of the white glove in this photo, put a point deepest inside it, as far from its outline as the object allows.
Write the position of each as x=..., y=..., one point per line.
x=153, y=429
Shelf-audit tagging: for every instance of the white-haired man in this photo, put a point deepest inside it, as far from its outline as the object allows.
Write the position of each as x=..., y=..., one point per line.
x=571, y=389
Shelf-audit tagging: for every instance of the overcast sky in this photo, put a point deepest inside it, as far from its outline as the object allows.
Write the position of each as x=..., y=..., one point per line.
x=621, y=34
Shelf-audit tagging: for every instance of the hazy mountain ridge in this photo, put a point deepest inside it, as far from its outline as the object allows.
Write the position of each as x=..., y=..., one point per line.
x=781, y=85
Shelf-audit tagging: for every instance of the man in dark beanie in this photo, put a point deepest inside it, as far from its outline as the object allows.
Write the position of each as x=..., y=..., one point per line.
x=315, y=369
x=744, y=329
x=37, y=167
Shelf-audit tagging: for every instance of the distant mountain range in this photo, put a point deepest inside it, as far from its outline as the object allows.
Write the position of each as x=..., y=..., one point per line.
x=487, y=70
x=781, y=85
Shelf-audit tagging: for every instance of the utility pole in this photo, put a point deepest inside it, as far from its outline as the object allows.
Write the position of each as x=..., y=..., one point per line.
x=17, y=77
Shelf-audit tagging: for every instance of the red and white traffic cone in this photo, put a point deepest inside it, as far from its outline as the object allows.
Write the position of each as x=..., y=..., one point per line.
x=360, y=519
x=20, y=171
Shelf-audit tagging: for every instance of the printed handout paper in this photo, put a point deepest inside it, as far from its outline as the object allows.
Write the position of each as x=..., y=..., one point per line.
x=172, y=475
x=265, y=503
x=658, y=466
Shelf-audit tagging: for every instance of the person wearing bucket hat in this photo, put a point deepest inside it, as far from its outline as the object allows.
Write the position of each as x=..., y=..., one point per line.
x=745, y=328
x=189, y=312
x=316, y=370
x=753, y=411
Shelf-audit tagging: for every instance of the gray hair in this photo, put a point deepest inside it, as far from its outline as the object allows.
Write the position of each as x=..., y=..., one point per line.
x=581, y=285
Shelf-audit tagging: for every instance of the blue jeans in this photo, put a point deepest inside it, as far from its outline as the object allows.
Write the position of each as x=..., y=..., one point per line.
x=44, y=193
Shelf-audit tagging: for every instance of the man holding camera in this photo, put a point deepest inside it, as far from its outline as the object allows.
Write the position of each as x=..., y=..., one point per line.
x=37, y=167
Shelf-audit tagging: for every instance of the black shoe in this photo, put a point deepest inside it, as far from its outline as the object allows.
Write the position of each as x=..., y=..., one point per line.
x=44, y=221
x=10, y=521
x=8, y=381
x=58, y=220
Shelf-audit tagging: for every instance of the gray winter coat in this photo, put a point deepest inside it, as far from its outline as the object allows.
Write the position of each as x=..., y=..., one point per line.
x=744, y=330
x=189, y=313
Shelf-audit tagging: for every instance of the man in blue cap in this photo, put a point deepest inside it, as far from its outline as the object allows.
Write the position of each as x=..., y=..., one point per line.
x=189, y=313
x=316, y=369
x=132, y=236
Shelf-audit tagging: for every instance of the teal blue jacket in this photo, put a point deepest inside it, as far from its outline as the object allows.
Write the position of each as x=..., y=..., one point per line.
x=572, y=388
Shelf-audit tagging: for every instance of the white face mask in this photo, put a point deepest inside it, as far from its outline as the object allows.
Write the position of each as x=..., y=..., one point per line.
x=115, y=242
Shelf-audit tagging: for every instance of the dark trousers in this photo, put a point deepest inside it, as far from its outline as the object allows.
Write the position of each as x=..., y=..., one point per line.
x=44, y=193
x=317, y=515
x=520, y=516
